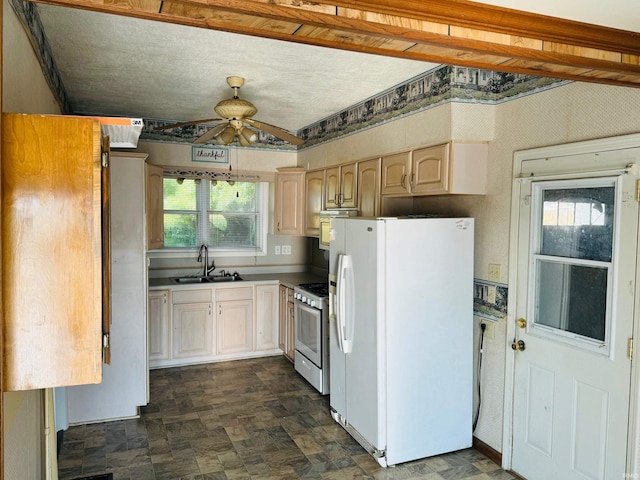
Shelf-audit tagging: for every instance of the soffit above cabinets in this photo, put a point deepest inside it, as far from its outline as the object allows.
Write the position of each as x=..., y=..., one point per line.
x=456, y=32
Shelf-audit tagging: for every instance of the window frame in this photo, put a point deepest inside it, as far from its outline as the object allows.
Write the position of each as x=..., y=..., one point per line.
x=556, y=334
x=202, y=211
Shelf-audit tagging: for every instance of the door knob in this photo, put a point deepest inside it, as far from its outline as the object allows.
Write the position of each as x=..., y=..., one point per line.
x=522, y=323
x=518, y=346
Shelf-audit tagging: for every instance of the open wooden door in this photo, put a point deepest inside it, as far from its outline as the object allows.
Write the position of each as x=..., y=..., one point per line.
x=106, y=251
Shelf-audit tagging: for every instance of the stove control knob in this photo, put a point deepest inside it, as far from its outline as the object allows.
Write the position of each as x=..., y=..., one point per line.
x=312, y=303
x=304, y=299
x=297, y=296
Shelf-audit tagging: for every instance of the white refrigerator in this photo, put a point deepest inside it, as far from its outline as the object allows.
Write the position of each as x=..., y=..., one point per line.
x=401, y=337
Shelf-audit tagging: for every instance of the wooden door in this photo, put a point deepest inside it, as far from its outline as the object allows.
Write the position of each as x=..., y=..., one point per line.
x=348, y=186
x=154, y=207
x=159, y=331
x=282, y=319
x=314, y=204
x=234, y=325
x=192, y=330
x=430, y=170
x=289, y=203
x=369, y=188
x=267, y=309
x=395, y=170
x=332, y=187
x=52, y=256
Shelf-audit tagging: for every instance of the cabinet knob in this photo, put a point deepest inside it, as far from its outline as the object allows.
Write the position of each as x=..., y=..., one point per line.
x=403, y=181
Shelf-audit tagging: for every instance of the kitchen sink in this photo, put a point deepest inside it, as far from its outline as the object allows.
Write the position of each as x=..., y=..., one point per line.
x=208, y=279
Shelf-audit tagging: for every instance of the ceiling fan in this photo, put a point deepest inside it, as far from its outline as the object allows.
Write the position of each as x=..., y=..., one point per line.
x=236, y=116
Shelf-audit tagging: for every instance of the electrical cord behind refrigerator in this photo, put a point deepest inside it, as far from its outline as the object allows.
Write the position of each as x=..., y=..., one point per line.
x=483, y=327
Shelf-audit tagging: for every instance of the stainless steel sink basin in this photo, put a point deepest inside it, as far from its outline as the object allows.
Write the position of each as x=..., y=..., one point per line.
x=209, y=279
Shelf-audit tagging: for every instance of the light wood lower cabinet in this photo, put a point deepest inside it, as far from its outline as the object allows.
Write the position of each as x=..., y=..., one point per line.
x=234, y=320
x=159, y=325
x=207, y=324
x=286, y=337
x=192, y=330
x=267, y=303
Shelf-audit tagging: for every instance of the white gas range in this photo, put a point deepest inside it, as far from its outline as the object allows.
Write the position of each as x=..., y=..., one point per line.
x=311, y=321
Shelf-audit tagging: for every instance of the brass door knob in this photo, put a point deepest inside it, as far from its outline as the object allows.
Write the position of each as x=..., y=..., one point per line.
x=518, y=346
x=521, y=322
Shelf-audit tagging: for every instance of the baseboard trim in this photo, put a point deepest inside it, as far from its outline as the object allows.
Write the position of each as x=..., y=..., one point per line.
x=489, y=452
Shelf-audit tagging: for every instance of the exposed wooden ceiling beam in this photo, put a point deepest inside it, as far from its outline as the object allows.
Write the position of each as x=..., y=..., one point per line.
x=456, y=32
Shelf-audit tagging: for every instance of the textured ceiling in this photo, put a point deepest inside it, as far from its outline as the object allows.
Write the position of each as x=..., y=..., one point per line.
x=122, y=66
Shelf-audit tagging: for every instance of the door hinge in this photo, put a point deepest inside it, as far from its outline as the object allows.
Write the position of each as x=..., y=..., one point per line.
x=630, y=349
x=105, y=341
x=105, y=159
x=638, y=191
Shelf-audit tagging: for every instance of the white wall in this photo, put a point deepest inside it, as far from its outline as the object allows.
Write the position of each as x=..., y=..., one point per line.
x=24, y=90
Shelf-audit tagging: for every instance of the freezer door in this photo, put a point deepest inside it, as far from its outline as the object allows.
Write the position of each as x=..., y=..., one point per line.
x=337, y=366
x=364, y=375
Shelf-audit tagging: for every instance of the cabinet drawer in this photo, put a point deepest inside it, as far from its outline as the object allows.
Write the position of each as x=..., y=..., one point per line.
x=241, y=293
x=202, y=295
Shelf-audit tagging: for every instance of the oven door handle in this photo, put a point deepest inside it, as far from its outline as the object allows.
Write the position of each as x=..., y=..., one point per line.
x=344, y=298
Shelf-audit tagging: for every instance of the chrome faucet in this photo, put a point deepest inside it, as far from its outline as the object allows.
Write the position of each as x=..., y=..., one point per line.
x=206, y=268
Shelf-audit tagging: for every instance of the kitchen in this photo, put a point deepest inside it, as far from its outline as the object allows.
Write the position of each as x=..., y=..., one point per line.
x=584, y=111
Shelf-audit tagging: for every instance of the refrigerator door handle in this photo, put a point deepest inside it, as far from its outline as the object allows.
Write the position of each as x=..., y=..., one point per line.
x=344, y=297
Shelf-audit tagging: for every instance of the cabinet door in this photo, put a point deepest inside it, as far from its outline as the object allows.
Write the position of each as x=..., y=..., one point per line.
x=289, y=203
x=290, y=329
x=430, y=170
x=332, y=187
x=234, y=326
x=192, y=330
x=314, y=190
x=282, y=319
x=348, y=186
x=267, y=302
x=159, y=332
x=395, y=169
x=51, y=244
x=369, y=188
x=154, y=207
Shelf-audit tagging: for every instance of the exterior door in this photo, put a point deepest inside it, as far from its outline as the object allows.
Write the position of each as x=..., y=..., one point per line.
x=576, y=270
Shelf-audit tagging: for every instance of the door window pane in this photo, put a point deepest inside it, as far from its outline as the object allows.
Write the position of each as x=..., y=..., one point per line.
x=578, y=223
x=572, y=298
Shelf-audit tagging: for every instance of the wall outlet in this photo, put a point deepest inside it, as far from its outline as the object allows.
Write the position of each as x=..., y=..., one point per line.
x=277, y=250
x=489, y=330
x=286, y=249
x=495, y=273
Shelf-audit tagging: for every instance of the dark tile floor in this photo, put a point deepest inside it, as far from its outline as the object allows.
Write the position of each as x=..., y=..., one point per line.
x=247, y=419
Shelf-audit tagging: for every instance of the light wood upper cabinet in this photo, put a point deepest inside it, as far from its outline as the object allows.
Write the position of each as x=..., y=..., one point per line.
x=340, y=186
x=314, y=204
x=368, y=186
x=51, y=251
x=154, y=207
x=450, y=168
x=289, y=203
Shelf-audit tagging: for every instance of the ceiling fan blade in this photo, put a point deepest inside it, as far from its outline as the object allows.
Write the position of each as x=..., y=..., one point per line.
x=187, y=124
x=276, y=131
x=211, y=133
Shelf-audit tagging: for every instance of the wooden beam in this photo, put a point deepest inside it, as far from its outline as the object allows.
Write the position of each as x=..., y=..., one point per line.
x=456, y=32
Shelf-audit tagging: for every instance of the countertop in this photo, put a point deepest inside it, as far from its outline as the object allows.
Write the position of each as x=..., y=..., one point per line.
x=290, y=280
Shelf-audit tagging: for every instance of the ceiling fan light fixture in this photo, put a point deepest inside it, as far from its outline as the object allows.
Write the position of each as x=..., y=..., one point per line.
x=227, y=136
x=249, y=135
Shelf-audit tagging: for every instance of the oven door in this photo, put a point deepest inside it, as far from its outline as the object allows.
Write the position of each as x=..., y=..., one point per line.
x=308, y=332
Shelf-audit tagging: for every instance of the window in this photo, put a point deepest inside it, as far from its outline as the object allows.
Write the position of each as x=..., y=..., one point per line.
x=224, y=214
x=572, y=259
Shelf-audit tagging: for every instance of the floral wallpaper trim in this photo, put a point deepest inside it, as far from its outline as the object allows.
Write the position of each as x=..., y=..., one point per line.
x=486, y=307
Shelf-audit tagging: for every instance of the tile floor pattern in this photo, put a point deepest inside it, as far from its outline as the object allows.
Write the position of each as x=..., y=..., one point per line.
x=246, y=419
